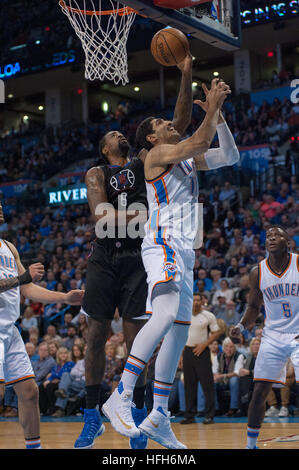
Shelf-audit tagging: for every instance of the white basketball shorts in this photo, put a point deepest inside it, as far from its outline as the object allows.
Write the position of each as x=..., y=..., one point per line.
x=166, y=261
x=17, y=365
x=275, y=350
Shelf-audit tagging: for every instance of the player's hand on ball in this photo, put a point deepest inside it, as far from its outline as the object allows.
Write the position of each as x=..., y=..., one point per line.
x=186, y=64
x=36, y=271
x=75, y=297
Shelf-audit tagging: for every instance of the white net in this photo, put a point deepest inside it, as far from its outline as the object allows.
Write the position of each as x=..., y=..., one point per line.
x=103, y=36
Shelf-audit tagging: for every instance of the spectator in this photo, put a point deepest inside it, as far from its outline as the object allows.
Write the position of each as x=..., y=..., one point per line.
x=227, y=195
x=48, y=387
x=44, y=364
x=31, y=351
x=226, y=369
x=224, y=292
x=68, y=341
x=197, y=365
x=67, y=320
x=52, y=334
x=71, y=387
x=27, y=322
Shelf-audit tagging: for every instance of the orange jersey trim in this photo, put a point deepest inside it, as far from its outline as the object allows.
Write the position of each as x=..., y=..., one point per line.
x=269, y=380
x=279, y=275
x=161, y=176
x=19, y=380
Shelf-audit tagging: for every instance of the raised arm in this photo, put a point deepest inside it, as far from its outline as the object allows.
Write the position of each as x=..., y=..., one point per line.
x=200, y=141
x=183, y=108
x=227, y=154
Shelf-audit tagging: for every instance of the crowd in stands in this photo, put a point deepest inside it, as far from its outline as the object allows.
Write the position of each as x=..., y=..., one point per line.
x=60, y=238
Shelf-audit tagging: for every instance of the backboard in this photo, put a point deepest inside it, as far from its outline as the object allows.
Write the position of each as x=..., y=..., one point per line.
x=198, y=21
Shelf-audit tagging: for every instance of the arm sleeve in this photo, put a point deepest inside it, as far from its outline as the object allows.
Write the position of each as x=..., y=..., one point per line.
x=227, y=154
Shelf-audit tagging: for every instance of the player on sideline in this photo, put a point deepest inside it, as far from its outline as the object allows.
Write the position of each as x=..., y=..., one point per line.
x=168, y=256
x=275, y=281
x=115, y=272
x=15, y=365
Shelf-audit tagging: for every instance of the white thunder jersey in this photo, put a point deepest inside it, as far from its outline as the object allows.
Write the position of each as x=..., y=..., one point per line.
x=281, y=296
x=9, y=300
x=173, y=208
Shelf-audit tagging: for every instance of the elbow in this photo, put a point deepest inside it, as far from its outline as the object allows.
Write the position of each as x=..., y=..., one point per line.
x=233, y=156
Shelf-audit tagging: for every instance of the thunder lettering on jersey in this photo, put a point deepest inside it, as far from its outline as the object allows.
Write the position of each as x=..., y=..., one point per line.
x=281, y=295
x=172, y=199
x=9, y=300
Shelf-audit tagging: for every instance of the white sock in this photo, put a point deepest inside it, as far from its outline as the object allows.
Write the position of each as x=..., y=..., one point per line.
x=165, y=307
x=252, y=437
x=167, y=363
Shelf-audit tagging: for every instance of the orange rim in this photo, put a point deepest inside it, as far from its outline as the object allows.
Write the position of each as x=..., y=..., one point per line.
x=120, y=11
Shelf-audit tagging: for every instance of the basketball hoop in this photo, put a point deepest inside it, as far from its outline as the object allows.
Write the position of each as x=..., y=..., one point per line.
x=104, y=35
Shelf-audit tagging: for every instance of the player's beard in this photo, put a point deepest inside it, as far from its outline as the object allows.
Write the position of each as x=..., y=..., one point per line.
x=124, y=148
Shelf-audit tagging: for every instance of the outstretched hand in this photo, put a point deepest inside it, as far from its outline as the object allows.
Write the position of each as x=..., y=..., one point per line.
x=186, y=64
x=217, y=94
x=75, y=297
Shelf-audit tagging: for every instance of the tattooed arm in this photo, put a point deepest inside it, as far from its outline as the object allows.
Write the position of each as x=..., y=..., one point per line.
x=37, y=293
x=183, y=109
x=34, y=273
x=98, y=202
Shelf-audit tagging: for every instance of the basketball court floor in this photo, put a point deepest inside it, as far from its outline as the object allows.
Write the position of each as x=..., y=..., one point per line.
x=225, y=433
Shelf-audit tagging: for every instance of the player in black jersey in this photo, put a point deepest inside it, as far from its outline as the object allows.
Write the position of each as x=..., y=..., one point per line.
x=115, y=273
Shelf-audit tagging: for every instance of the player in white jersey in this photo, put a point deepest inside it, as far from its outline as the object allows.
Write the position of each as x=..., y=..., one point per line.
x=15, y=365
x=275, y=281
x=167, y=252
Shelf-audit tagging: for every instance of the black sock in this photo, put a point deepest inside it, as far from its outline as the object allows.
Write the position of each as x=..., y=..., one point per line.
x=139, y=396
x=92, y=395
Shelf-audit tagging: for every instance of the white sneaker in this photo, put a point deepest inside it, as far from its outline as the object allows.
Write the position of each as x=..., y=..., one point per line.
x=283, y=412
x=272, y=412
x=118, y=410
x=157, y=427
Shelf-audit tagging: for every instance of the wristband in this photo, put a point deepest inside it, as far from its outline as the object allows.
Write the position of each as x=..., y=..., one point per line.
x=25, y=278
x=240, y=326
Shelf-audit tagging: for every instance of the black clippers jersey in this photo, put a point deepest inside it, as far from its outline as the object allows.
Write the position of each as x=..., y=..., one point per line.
x=125, y=186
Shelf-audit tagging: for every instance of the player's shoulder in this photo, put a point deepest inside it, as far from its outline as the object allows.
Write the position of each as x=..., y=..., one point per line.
x=94, y=174
x=255, y=275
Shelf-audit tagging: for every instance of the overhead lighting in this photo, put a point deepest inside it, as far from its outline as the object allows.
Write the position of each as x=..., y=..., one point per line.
x=136, y=88
x=216, y=74
x=37, y=42
x=26, y=118
x=193, y=58
x=15, y=48
x=10, y=95
x=105, y=106
x=194, y=84
x=41, y=108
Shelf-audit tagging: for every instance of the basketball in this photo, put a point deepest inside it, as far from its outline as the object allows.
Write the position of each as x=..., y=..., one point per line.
x=169, y=46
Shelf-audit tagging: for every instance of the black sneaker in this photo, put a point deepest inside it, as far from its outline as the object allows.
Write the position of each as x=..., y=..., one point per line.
x=187, y=421
x=208, y=421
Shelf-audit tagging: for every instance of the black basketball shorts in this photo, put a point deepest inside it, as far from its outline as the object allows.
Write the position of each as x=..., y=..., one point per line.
x=115, y=278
